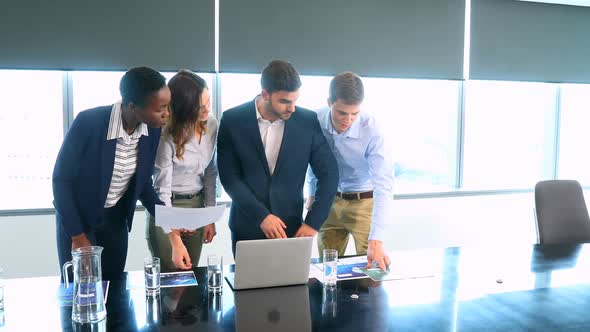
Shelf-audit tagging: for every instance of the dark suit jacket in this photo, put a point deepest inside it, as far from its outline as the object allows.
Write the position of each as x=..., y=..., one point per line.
x=244, y=172
x=84, y=168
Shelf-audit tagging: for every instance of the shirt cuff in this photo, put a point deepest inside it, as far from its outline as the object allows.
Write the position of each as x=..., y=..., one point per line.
x=376, y=233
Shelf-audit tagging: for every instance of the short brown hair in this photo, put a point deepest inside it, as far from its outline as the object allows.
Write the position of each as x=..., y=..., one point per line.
x=280, y=75
x=348, y=87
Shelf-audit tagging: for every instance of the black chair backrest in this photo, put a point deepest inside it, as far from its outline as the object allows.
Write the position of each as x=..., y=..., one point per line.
x=562, y=216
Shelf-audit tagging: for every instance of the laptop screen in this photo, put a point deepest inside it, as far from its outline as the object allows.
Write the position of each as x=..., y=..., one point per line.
x=272, y=262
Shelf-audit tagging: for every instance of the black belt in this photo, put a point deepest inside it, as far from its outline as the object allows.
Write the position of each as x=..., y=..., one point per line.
x=355, y=196
x=185, y=196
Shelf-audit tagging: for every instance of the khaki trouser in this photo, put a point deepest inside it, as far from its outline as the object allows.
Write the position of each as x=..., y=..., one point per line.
x=158, y=241
x=347, y=217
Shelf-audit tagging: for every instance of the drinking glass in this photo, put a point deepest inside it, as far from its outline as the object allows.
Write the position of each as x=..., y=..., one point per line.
x=214, y=273
x=151, y=268
x=330, y=267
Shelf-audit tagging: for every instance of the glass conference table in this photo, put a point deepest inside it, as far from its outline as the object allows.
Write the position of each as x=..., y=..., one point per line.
x=526, y=288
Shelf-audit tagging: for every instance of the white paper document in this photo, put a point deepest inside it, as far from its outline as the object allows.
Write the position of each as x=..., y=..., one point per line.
x=169, y=218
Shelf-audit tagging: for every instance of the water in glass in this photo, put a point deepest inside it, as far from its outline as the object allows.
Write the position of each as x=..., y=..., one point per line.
x=152, y=275
x=214, y=273
x=88, y=302
x=330, y=257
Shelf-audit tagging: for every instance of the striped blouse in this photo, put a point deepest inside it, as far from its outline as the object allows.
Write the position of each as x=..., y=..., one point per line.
x=125, y=155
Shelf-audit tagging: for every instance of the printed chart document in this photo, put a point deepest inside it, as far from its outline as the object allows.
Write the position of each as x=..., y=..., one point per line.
x=178, y=279
x=169, y=218
x=348, y=268
x=410, y=264
x=402, y=267
x=379, y=275
x=136, y=279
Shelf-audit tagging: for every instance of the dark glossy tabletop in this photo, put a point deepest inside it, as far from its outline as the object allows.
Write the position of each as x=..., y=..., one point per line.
x=527, y=288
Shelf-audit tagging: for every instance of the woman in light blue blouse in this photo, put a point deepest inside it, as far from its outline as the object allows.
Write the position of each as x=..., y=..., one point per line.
x=185, y=170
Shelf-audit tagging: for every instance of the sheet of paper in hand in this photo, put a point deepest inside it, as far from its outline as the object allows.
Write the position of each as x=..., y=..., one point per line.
x=169, y=218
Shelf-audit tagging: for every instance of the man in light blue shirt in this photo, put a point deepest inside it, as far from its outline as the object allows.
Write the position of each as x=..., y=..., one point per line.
x=363, y=203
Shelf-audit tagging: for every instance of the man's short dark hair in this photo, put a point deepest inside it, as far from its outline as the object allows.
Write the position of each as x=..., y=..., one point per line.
x=347, y=87
x=139, y=83
x=280, y=75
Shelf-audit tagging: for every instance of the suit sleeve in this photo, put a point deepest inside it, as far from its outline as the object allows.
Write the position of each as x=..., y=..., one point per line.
x=230, y=175
x=148, y=196
x=210, y=182
x=324, y=167
x=65, y=174
x=312, y=181
x=210, y=175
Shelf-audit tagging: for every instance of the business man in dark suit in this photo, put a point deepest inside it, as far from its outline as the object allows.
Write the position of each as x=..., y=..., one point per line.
x=105, y=165
x=264, y=147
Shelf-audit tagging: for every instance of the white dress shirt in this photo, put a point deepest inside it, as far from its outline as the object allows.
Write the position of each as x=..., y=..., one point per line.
x=196, y=171
x=272, y=137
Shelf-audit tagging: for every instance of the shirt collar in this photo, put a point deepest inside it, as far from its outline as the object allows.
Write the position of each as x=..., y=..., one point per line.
x=353, y=132
x=259, y=116
x=116, y=129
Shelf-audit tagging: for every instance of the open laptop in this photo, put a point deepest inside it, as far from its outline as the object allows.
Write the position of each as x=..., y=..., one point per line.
x=273, y=309
x=270, y=263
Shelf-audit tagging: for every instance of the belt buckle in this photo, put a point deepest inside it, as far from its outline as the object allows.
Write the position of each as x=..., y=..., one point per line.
x=183, y=196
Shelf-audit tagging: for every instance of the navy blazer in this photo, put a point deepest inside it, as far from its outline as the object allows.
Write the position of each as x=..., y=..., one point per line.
x=244, y=172
x=84, y=168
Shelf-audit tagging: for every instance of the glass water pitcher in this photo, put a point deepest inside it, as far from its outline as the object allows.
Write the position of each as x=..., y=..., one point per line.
x=88, y=302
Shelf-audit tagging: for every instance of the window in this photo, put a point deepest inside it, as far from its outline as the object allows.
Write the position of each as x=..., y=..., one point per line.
x=31, y=135
x=508, y=134
x=93, y=89
x=237, y=89
x=418, y=117
x=509, y=128
x=574, y=160
x=240, y=88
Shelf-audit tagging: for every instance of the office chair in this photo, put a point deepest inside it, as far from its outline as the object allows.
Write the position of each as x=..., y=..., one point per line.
x=561, y=213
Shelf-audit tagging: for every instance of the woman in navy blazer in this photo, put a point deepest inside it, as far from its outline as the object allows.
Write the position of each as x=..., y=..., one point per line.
x=267, y=197
x=105, y=165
